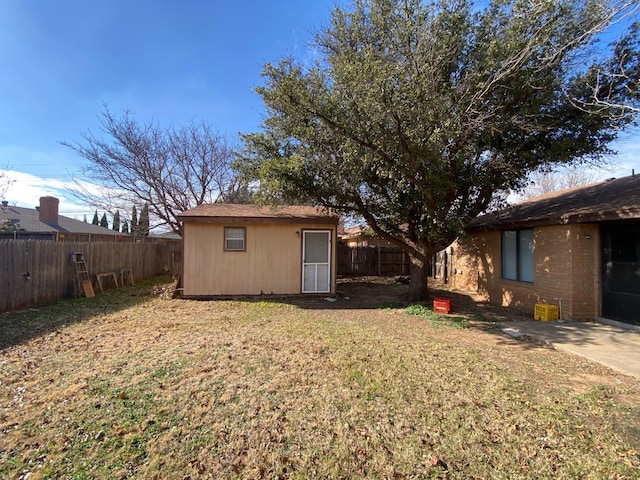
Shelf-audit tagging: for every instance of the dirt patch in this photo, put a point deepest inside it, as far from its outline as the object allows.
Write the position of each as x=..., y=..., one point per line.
x=373, y=291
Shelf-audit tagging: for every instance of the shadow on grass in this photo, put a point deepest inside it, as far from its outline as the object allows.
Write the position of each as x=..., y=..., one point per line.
x=374, y=293
x=21, y=326
x=468, y=312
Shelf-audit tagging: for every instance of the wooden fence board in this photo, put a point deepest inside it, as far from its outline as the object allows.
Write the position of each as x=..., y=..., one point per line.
x=373, y=260
x=370, y=260
x=33, y=271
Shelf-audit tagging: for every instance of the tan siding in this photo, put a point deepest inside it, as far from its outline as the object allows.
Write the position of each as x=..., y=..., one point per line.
x=271, y=263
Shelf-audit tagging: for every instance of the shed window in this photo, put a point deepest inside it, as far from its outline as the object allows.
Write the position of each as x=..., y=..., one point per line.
x=234, y=239
x=517, y=255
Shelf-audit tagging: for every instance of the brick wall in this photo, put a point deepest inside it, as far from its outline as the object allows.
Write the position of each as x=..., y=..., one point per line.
x=566, y=266
x=553, y=274
x=586, y=281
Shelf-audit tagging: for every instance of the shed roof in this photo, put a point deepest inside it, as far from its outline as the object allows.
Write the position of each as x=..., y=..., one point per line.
x=236, y=213
x=613, y=199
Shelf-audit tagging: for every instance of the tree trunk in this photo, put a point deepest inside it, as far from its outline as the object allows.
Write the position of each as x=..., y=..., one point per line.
x=419, y=272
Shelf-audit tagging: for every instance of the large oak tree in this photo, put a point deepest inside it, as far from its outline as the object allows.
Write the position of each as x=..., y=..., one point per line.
x=417, y=116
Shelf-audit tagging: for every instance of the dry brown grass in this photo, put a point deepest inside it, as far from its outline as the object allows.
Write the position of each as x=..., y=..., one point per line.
x=131, y=385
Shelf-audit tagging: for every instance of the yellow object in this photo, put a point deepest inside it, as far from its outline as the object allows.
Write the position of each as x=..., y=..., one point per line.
x=545, y=312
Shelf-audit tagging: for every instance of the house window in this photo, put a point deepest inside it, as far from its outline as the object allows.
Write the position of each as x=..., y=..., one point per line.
x=517, y=255
x=234, y=239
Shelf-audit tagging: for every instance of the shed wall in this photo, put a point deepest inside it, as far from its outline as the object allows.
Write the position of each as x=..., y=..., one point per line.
x=271, y=263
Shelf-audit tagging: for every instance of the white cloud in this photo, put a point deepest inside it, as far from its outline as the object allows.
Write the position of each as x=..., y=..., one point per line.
x=26, y=190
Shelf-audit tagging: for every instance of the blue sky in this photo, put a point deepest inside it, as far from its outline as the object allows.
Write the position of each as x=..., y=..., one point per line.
x=167, y=61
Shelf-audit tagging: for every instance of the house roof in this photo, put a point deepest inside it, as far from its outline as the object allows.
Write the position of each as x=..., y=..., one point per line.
x=235, y=213
x=29, y=221
x=613, y=199
x=358, y=231
x=351, y=232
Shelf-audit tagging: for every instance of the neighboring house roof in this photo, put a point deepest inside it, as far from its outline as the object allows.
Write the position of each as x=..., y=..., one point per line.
x=359, y=231
x=352, y=232
x=29, y=221
x=235, y=213
x=613, y=199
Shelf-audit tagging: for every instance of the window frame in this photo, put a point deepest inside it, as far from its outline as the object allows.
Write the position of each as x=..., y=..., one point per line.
x=517, y=259
x=227, y=238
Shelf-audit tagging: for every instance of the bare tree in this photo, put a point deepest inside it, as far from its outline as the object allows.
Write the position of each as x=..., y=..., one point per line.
x=545, y=181
x=170, y=169
x=5, y=181
x=612, y=84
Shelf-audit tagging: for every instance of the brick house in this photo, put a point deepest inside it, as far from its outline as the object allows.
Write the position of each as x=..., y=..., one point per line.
x=251, y=250
x=360, y=236
x=45, y=223
x=578, y=247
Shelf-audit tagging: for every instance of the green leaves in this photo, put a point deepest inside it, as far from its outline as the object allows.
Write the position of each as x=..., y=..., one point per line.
x=420, y=114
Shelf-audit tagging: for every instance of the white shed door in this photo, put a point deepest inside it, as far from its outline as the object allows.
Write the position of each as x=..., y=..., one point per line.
x=316, y=261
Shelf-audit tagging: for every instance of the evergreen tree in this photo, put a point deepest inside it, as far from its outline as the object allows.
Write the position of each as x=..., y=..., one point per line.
x=134, y=221
x=95, y=221
x=103, y=221
x=116, y=221
x=125, y=227
x=143, y=222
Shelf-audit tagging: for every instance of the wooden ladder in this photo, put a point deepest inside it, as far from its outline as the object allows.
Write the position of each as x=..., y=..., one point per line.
x=82, y=282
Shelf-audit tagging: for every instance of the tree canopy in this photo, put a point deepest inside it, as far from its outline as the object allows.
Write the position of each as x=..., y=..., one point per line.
x=170, y=169
x=418, y=116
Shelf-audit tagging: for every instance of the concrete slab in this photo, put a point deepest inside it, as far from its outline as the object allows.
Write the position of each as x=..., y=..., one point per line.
x=615, y=347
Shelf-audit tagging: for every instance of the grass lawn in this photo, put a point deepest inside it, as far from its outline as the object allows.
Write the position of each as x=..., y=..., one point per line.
x=133, y=385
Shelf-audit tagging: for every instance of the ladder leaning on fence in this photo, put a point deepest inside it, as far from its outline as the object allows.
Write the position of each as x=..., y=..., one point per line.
x=82, y=283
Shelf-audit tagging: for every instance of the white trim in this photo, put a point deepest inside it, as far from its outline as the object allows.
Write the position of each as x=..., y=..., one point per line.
x=315, y=265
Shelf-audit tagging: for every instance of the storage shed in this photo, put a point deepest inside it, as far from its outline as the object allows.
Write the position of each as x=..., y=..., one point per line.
x=252, y=250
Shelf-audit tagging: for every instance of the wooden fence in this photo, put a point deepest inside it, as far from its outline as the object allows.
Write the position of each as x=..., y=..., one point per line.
x=33, y=271
x=370, y=260
x=355, y=261
x=81, y=237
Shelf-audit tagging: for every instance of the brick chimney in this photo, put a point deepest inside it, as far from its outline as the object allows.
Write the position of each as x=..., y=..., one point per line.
x=49, y=210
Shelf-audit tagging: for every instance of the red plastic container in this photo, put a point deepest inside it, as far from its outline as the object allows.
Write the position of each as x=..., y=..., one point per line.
x=441, y=305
